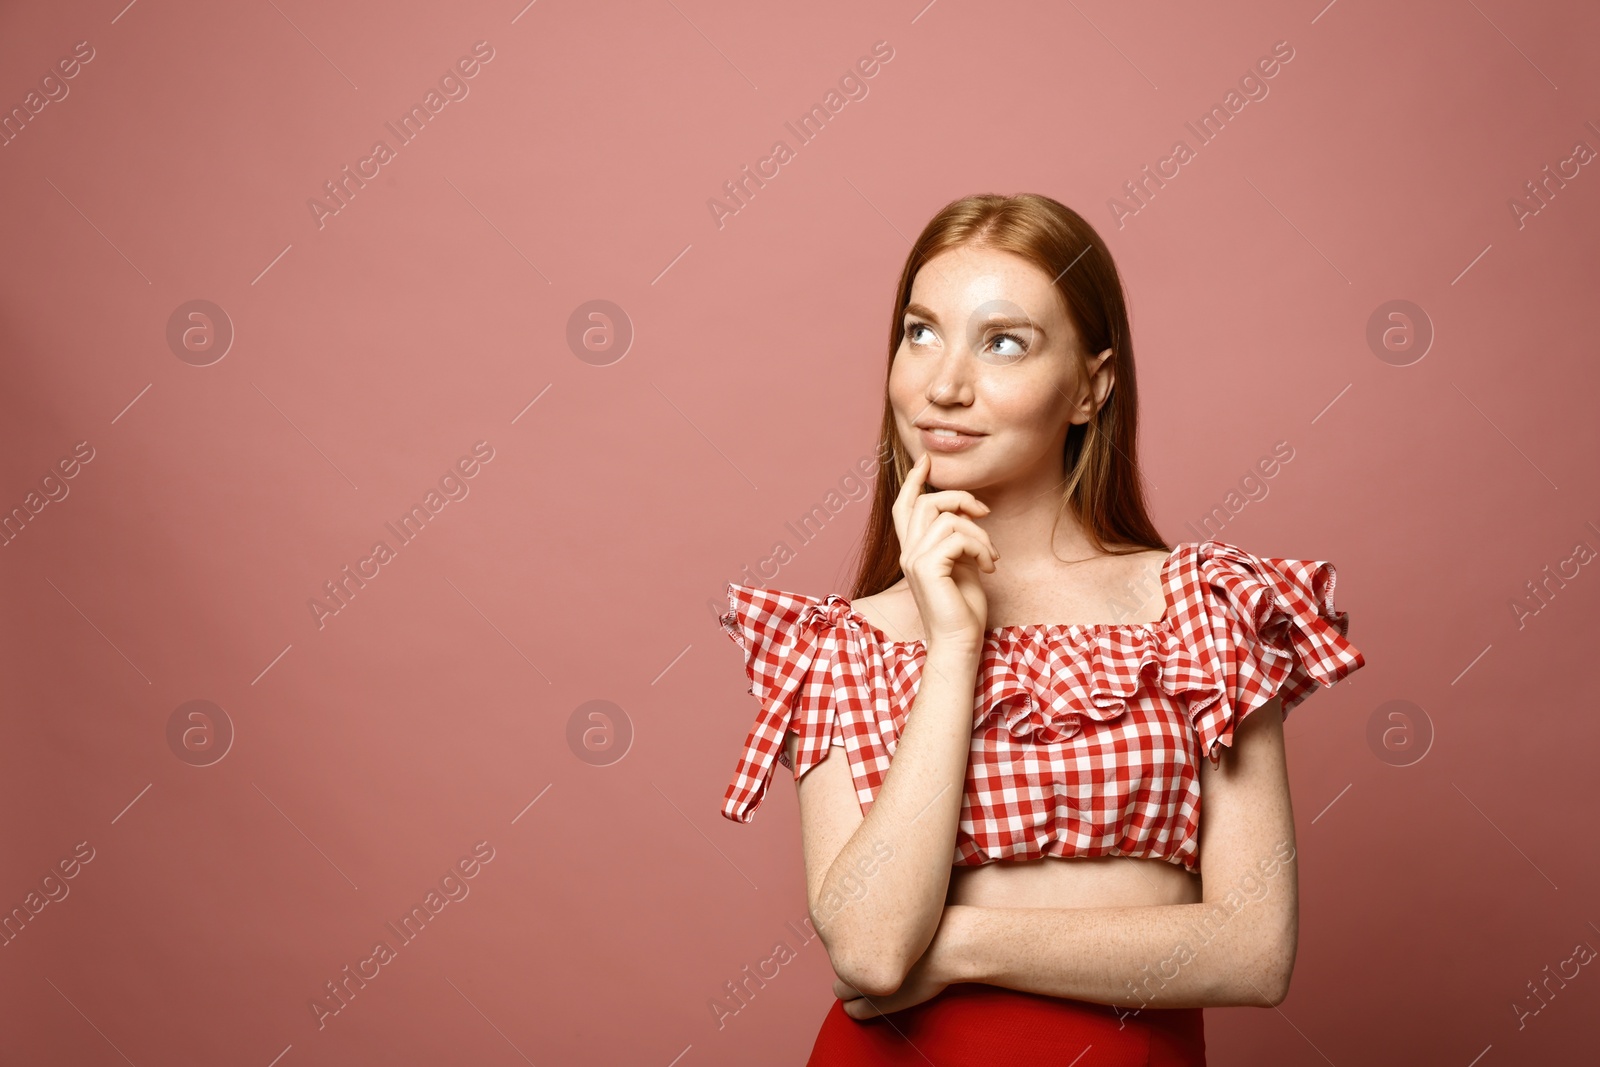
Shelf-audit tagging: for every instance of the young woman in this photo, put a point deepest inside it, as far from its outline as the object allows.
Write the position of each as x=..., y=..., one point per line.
x=1002, y=741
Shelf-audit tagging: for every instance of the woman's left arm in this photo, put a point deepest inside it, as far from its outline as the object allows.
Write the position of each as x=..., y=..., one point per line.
x=1237, y=947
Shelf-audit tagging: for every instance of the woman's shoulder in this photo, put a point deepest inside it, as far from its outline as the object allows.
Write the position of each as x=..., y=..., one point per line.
x=892, y=612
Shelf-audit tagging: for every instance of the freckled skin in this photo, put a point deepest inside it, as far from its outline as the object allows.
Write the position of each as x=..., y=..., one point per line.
x=1022, y=383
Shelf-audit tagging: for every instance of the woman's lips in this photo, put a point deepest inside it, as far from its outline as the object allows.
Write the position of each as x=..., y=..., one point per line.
x=944, y=442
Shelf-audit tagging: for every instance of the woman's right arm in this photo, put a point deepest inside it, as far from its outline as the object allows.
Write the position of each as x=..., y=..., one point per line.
x=877, y=885
x=877, y=898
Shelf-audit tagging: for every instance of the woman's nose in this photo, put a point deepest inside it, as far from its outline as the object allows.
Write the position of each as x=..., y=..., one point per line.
x=952, y=379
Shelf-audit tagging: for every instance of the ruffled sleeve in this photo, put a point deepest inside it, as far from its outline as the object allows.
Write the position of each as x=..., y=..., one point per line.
x=1260, y=628
x=789, y=662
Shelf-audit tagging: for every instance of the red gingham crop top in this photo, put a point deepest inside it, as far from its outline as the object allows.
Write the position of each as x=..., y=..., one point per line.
x=1086, y=738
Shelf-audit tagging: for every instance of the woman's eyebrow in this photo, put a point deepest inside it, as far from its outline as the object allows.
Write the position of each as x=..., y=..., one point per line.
x=1001, y=321
x=1010, y=324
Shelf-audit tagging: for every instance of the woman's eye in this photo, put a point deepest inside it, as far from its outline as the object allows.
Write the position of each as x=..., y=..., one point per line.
x=1004, y=347
x=1016, y=351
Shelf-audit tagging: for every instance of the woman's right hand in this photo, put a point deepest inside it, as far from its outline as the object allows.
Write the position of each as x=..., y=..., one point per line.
x=941, y=551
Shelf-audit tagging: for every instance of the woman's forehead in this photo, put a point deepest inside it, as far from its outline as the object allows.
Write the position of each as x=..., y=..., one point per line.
x=985, y=285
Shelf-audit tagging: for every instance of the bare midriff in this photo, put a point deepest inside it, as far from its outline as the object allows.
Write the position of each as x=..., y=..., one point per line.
x=1073, y=882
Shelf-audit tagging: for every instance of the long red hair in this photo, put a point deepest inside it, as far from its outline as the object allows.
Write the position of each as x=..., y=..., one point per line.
x=1102, y=487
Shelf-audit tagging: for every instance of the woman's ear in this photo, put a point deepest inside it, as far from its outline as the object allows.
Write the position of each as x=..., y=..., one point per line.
x=1091, y=395
x=1103, y=377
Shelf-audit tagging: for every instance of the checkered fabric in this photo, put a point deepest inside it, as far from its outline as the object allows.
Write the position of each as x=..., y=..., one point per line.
x=1086, y=738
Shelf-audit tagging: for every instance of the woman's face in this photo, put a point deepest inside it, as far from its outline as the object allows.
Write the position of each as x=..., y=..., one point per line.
x=988, y=345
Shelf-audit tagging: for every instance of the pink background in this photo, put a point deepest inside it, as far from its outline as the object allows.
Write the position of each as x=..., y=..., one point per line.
x=373, y=752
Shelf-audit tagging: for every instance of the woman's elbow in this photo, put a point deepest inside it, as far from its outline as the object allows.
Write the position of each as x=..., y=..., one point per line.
x=1266, y=973
x=881, y=982
x=872, y=974
x=1273, y=986
x=868, y=967
x=870, y=957
x=1249, y=987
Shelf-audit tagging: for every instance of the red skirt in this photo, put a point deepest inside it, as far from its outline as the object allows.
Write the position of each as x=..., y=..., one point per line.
x=969, y=1024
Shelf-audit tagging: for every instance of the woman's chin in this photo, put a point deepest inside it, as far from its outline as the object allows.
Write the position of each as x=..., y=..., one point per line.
x=950, y=479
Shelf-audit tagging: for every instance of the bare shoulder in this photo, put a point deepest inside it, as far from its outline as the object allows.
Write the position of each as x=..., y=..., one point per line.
x=1150, y=563
x=1137, y=583
x=893, y=612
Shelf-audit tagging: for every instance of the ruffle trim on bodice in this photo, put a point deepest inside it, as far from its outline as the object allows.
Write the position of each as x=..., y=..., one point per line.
x=1238, y=631
x=1040, y=686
